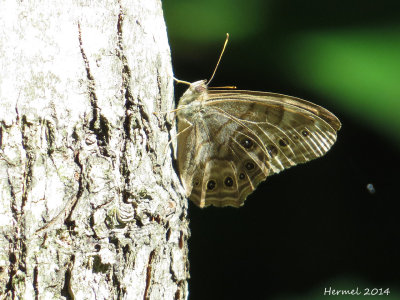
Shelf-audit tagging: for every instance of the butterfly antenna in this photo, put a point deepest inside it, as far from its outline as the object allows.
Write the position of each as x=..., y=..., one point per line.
x=219, y=59
x=182, y=81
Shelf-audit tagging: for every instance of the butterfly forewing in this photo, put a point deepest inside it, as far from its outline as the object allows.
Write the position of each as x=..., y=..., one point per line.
x=292, y=130
x=230, y=141
x=274, y=99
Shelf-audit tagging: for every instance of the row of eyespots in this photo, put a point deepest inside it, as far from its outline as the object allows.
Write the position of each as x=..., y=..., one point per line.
x=249, y=165
x=228, y=181
x=283, y=142
x=304, y=133
x=271, y=149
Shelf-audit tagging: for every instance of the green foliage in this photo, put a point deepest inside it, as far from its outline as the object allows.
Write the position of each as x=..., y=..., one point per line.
x=357, y=69
x=207, y=21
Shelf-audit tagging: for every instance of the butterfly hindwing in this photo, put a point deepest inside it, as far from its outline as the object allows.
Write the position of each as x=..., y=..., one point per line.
x=224, y=169
x=230, y=141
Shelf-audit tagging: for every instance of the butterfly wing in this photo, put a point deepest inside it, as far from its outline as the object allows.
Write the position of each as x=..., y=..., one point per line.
x=239, y=138
x=292, y=130
x=220, y=161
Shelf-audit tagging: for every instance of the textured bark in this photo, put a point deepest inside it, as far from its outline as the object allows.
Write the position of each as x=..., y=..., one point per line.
x=90, y=206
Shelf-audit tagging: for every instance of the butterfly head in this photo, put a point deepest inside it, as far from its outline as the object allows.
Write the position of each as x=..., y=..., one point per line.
x=197, y=91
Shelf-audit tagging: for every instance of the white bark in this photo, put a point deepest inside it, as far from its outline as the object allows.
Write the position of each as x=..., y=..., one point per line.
x=90, y=206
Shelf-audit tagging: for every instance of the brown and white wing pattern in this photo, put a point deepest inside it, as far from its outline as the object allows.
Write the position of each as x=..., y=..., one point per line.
x=292, y=130
x=236, y=139
x=227, y=164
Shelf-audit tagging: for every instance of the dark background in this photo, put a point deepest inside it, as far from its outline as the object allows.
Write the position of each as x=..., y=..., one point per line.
x=316, y=225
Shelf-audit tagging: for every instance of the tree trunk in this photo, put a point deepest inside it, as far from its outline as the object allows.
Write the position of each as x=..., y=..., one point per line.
x=90, y=206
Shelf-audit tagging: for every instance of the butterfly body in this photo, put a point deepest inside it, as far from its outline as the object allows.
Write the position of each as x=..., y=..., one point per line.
x=231, y=140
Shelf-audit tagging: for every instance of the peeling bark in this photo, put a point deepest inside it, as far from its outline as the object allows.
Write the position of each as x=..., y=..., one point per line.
x=90, y=205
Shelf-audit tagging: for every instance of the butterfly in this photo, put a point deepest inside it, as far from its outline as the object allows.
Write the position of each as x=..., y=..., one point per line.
x=230, y=140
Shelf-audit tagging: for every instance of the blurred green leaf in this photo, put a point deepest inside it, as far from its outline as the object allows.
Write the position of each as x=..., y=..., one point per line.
x=359, y=70
x=207, y=21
